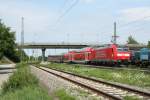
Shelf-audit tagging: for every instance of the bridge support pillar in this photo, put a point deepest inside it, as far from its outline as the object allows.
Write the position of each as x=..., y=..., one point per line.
x=43, y=54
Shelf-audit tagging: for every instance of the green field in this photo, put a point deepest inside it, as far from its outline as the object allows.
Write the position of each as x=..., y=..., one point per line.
x=130, y=77
x=22, y=85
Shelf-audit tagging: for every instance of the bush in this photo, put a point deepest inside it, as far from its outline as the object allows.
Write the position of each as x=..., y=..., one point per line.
x=22, y=77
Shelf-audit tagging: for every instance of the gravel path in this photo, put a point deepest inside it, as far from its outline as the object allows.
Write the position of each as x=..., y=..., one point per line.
x=53, y=83
x=4, y=77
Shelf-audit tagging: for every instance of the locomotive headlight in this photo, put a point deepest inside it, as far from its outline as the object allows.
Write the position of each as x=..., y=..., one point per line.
x=119, y=54
x=126, y=55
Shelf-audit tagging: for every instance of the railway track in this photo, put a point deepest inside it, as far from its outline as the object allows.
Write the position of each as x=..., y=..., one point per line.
x=108, y=90
x=144, y=70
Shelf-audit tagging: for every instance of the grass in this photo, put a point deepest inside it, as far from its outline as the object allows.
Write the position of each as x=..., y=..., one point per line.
x=125, y=76
x=21, y=78
x=26, y=93
x=62, y=95
x=22, y=85
x=130, y=98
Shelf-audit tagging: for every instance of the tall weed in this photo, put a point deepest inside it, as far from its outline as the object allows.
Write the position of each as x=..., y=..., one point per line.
x=22, y=77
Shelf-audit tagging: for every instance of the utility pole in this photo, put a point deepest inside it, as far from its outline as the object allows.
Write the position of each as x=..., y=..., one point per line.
x=68, y=40
x=115, y=33
x=22, y=38
x=114, y=37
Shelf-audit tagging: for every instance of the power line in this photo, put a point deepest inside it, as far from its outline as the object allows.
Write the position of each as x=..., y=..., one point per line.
x=129, y=23
x=132, y=22
x=140, y=28
x=137, y=29
x=63, y=5
x=62, y=15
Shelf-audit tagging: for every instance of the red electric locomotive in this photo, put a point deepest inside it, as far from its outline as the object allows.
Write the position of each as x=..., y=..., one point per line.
x=112, y=55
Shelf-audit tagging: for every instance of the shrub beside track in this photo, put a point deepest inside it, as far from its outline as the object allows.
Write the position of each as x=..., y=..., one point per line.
x=22, y=85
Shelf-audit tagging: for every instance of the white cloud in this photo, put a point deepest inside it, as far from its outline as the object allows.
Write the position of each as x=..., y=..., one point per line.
x=138, y=13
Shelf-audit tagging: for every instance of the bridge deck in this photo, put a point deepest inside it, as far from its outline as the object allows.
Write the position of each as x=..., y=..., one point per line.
x=71, y=46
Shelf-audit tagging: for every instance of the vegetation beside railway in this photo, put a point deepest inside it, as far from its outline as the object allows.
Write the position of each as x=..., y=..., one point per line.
x=22, y=85
x=8, y=46
x=62, y=95
x=130, y=77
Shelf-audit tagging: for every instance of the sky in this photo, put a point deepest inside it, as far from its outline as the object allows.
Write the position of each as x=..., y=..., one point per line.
x=81, y=21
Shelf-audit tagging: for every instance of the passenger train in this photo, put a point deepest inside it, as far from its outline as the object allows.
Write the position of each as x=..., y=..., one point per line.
x=112, y=55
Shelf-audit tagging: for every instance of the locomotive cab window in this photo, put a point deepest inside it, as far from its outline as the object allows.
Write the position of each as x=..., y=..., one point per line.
x=125, y=49
x=119, y=49
x=122, y=49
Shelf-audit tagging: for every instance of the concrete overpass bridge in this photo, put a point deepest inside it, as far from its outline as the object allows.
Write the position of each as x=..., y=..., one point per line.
x=54, y=45
x=44, y=46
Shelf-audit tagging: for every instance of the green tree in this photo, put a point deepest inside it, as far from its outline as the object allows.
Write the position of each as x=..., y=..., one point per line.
x=131, y=40
x=6, y=39
x=7, y=43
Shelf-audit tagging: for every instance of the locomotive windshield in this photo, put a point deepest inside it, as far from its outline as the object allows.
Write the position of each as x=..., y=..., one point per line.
x=122, y=49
